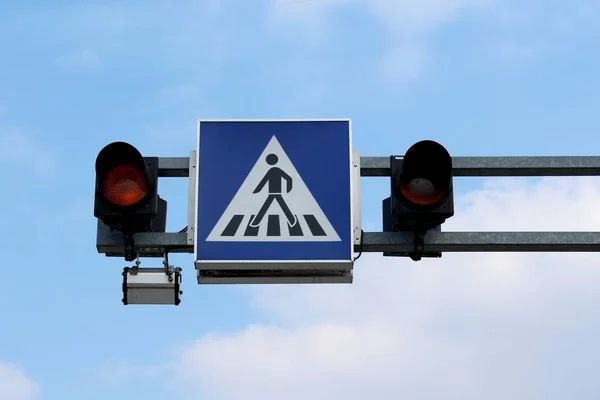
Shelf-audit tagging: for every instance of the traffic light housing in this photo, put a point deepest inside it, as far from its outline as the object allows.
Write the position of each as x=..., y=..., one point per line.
x=126, y=197
x=421, y=197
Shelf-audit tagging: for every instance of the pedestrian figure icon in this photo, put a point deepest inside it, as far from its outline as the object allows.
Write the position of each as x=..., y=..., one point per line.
x=250, y=216
x=274, y=179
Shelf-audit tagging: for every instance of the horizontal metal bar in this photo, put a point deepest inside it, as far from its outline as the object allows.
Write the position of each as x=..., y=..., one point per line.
x=462, y=166
x=501, y=166
x=378, y=242
x=152, y=244
x=174, y=167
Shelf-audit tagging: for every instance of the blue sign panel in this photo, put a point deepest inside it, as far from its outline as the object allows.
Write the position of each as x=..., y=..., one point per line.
x=274, y=191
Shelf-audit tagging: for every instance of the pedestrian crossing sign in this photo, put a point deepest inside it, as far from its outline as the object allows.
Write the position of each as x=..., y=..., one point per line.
x=273, y=187
x=276, y=192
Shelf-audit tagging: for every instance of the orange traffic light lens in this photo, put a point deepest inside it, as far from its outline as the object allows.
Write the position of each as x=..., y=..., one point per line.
x=125, y=185
x=421, y=191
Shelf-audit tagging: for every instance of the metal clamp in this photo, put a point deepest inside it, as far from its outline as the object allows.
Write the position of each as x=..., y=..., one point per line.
x=418, y=246
x=130, y=253
x=169, y=269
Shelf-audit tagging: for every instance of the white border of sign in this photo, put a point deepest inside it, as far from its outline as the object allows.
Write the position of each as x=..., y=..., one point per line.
x=283, y=264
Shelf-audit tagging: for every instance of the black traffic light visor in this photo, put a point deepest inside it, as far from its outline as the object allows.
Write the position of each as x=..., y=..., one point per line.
x=426, y=176
x=122, y=177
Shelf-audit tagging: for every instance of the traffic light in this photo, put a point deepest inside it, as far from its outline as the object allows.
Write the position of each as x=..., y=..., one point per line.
x=126, y=196
x=421, y=196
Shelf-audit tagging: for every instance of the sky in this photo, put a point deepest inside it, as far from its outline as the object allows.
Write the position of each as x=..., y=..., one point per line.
x=482, y=77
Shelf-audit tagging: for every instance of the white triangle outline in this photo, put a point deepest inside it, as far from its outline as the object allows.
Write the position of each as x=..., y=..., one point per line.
x=300, y=201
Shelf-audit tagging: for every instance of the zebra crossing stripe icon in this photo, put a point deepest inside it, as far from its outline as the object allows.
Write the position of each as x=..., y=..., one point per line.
x=273, y=205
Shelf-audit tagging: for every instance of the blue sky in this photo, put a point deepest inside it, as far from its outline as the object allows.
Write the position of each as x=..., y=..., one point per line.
x=483, y=77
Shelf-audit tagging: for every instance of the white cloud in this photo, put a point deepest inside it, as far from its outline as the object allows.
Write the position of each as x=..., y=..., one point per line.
x=516, y=32
x=322, y=361
x=560, y=204
x=467, y=326
x=408, y=25
x=15, y=384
